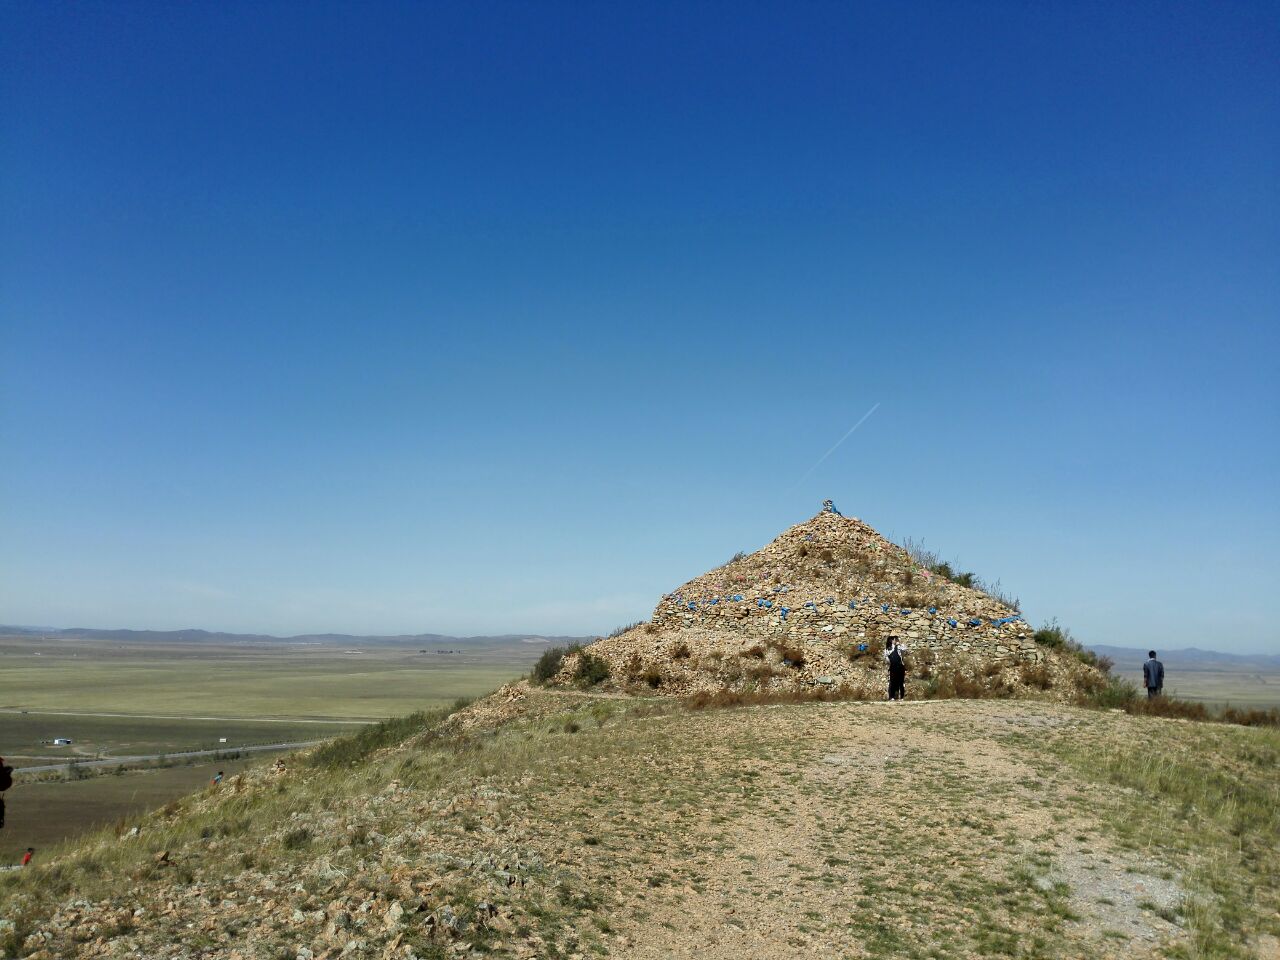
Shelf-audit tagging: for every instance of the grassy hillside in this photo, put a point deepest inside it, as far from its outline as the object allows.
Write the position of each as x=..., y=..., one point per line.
x=549, y=824
x=42, y=814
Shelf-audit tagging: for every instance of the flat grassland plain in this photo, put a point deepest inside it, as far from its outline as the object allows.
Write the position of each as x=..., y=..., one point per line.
x=119, y=699
x=250, y=681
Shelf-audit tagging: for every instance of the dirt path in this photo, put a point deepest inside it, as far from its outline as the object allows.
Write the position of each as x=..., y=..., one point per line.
x=872, y=833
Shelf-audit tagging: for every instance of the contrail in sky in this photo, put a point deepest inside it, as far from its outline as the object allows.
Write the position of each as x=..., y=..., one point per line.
x=873, y=409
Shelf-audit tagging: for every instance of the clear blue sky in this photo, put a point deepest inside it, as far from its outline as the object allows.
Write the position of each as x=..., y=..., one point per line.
x=487, y=317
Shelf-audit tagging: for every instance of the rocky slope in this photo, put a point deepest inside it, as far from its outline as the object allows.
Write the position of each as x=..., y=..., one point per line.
x=550, y=824
x=812, y=610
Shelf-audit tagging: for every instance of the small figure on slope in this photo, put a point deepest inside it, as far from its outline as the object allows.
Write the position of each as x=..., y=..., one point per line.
x=893, y=654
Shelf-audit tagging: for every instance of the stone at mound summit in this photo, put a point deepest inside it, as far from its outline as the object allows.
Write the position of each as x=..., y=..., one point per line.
x=813, y=609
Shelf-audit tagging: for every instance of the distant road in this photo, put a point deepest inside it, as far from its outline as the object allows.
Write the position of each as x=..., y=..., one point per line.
x=163, y=716
x=185, y=754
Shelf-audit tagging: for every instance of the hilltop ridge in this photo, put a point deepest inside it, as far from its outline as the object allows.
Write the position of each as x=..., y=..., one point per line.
x=544, y=823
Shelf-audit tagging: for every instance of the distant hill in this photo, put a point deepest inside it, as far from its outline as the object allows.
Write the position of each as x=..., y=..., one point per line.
x=1191, y=658
x=337, y=639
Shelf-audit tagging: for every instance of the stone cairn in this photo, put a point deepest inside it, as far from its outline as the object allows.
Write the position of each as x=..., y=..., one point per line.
x=813, y=609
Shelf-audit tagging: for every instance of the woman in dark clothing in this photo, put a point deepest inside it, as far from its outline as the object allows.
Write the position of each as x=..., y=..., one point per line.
x=893, y=653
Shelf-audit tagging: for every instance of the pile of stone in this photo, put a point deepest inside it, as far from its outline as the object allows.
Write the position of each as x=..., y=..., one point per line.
x=814, y=608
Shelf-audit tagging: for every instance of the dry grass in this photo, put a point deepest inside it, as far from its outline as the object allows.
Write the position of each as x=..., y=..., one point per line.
x=725, y=699
x=1036, y=675
x=648, y=820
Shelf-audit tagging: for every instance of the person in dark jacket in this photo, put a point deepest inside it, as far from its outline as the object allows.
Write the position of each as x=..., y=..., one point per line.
x=893, y=654
x=1153, y=675
x=6, y=781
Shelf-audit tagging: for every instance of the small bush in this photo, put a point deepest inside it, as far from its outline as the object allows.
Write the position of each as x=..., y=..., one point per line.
x=549, y=664
x=1057, y=637
x=591, y=670
x=1116, y=693
x=1036, y=675
x=792, y=656
x=296, y=839
x=924, y=664
x=963, y=687
x=996, y=592
x=619, y=631
x=681, y=652
x=344, y=751
x=650, y=628
x=755, y=653
x=740, y=555
x=653, y=677
x=1252, y=718
x=874, y=645
x=826, y=556
x=1051, y=635
x=1168, y=707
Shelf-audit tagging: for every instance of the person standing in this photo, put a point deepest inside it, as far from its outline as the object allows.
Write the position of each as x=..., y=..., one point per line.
x=217, y=781
x=26, y=857
x=6, y=781
x=893, y=654
x=1153, y=675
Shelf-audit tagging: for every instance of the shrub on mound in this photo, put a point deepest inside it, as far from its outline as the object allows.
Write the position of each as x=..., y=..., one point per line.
x=591, y=669
x=548, y=664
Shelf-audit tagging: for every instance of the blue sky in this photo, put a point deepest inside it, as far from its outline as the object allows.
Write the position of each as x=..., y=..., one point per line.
x=494, y=317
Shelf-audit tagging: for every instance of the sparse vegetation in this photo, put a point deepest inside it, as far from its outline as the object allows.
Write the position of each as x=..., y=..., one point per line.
x=296, y=839
x=792, y=656
x=549, y=664
x=619, y=631
x=1118, y=693
x=353, y=748
x=533, y=794
x=1057, y=637
x=930, y=561
x=591, y=670
x=1036, y=675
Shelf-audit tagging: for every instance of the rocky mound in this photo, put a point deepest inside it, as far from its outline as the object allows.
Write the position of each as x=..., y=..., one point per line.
x=813, y=609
